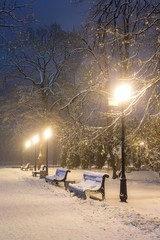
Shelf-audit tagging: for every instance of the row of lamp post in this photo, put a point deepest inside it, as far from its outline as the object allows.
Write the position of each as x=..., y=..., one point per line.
x=122, y=94
x=35, y=140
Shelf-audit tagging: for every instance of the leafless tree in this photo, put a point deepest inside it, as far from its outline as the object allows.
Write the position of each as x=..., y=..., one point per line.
x=14, y=13
x=45, y=64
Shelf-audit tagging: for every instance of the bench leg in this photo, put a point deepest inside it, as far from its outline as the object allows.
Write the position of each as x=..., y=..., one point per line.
x=65, y=185
x=103, y=193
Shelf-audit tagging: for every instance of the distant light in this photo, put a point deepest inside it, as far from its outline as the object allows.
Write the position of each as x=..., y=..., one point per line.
x=28, y=144
x=47, y=133
x=142, y=143
x=35, y=139
x=122, y=93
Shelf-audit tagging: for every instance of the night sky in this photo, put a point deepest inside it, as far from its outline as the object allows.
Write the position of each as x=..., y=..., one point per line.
x=60, y=11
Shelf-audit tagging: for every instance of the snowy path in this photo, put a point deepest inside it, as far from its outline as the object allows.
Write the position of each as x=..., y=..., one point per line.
x=31, y=209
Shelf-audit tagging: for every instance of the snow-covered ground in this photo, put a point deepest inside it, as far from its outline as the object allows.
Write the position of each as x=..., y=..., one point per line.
x=31, y=209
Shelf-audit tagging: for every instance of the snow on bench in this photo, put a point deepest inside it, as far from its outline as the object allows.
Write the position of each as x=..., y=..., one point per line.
x=42, y=168
x=60, y=176
x=92, y=181
x=25, y=167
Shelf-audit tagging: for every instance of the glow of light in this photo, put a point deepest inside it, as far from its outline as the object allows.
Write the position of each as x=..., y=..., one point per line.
x=28, y=144
x=122, y=93
x=142, y=143
x=35, y=139
x=47, y=133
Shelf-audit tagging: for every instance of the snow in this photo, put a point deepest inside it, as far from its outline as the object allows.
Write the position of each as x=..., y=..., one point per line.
x=30, y=209
x=91, y=180
x=84, y=185
x=59, y=175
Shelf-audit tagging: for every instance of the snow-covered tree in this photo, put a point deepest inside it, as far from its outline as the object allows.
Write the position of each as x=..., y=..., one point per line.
x=122, y=36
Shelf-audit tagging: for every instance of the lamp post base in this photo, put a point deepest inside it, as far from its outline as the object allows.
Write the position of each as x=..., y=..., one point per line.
x=123, y=190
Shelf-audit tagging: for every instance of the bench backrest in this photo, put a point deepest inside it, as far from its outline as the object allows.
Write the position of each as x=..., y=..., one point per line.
x=27, y=165
x=99, y=178
x=62, y=172
x=42, y=168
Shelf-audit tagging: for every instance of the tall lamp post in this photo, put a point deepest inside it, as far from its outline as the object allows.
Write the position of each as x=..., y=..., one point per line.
x=122, y=94
x=35, y=141
x=140, y=146
x=47, y=135
x=28, y=144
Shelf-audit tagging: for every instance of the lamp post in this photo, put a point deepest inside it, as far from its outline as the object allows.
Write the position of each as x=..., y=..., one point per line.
x=28, y=144
x=122, y=94
x=140, y=146
x=35, y=141
x=47, y=135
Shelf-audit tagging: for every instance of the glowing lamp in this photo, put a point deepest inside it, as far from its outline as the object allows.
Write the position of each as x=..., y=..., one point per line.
x=35, y=139
x=28, y=144
x=47, y=133
x=122, y=93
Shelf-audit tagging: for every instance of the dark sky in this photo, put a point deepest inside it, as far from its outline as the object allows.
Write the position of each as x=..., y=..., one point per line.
x=61, y=12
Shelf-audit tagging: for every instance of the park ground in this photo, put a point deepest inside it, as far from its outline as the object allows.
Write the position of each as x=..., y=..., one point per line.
x=31, y=209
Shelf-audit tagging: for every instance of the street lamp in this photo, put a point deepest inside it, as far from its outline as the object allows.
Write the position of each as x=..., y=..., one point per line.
x=122, y=94
x=28, y=144
x=47, y=135
x=35, y=141
x=140, y=146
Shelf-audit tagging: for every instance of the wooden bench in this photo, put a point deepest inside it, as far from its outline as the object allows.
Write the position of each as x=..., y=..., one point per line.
x=59, y=176
x=25, y=167
x=91, y=182
x=35, y=173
